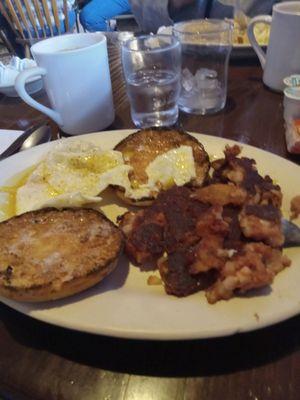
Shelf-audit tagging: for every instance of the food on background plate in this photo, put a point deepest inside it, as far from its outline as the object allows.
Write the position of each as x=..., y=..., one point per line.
x=160, y=158
x=50, y=254
x=225, y=237
x=239, y=37
x=295, y=207
x=261, y=33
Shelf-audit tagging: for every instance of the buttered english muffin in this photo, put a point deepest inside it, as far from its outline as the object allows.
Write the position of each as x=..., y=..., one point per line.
x=50, y=254
x=160, y=158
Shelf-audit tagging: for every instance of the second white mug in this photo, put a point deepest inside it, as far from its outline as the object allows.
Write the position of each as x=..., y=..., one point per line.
x=76, y=77
x=283, y=53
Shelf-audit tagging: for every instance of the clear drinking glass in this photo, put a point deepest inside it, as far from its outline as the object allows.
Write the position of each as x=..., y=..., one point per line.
x=206, y=46
x=152, y=67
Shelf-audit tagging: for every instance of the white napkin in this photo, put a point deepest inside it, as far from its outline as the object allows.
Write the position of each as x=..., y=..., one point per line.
x=165, y=30
x=10, y=71
x=7, y=137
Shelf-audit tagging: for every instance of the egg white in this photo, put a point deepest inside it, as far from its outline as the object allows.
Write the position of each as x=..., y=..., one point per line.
x=69, y=176
x=74, y=174
x=175, y=165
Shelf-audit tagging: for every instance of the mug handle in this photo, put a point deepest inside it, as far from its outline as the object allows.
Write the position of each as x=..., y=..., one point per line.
x=267, y=19
x=21, y=90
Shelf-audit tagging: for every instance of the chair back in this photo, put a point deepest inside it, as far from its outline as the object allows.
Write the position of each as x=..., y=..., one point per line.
x=32, y=20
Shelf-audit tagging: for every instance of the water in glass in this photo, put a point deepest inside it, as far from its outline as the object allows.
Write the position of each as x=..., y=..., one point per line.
x=153, y=96
x=152, y=69
x=206, y=46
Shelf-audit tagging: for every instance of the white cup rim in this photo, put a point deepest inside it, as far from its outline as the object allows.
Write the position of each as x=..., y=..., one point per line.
x=292, y=93
x=283, y=8
x=41, y=47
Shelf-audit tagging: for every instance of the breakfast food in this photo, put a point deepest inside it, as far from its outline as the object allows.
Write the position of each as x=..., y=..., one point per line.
x=224, y=237
x=72, y=174
x=75, y=173
x=220, y=232
x=261, y=33
x=160, y=158
x=295, y=207
x=50, y=254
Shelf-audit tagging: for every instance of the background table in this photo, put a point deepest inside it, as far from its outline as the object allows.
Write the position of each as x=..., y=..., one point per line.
x=40, y=361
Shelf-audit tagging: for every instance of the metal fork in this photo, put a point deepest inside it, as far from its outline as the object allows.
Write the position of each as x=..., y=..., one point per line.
x=291, y=233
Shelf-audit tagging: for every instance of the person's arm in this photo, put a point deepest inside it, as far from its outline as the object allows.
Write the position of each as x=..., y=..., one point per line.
x=151, y=14
x=177, y=4
x=174, y=6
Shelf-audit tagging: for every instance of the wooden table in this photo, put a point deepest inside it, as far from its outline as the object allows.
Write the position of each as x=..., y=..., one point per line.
x=39, y=361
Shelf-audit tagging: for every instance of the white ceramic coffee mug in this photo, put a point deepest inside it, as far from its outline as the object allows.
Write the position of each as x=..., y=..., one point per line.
x=283, y=53
x=76, y=77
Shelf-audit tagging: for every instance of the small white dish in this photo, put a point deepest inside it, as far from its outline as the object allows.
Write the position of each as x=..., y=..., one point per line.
x=32, y=86
x=9, y=73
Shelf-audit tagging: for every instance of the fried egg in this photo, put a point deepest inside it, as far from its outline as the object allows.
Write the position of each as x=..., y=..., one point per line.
x=176, y=166
x=71, y=175
x=75, y=173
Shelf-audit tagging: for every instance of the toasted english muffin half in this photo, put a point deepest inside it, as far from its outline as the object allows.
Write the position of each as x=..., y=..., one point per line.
x=142, y=147
x=50, y=254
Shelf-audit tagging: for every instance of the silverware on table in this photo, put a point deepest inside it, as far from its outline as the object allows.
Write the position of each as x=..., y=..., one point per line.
x=31, y=137
x=291, y=233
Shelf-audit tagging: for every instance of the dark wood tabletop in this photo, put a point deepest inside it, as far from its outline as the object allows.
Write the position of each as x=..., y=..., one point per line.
x=39, y=361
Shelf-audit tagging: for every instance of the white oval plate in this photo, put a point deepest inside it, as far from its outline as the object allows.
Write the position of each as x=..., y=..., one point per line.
x=123, y=305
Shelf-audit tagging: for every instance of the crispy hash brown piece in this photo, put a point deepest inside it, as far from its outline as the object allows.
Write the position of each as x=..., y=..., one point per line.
x=50, y=254
x=142, y=147
x=253, y=267
x=176, y=277
x=224, y=237
x=242, y=172
x=295, y=207
x=163, y=226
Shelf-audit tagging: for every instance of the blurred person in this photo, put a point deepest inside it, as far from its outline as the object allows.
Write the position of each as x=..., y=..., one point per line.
x=151, y=14
x=95, y=14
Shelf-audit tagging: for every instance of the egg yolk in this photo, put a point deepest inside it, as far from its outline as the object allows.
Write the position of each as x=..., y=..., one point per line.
x=8, y=206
